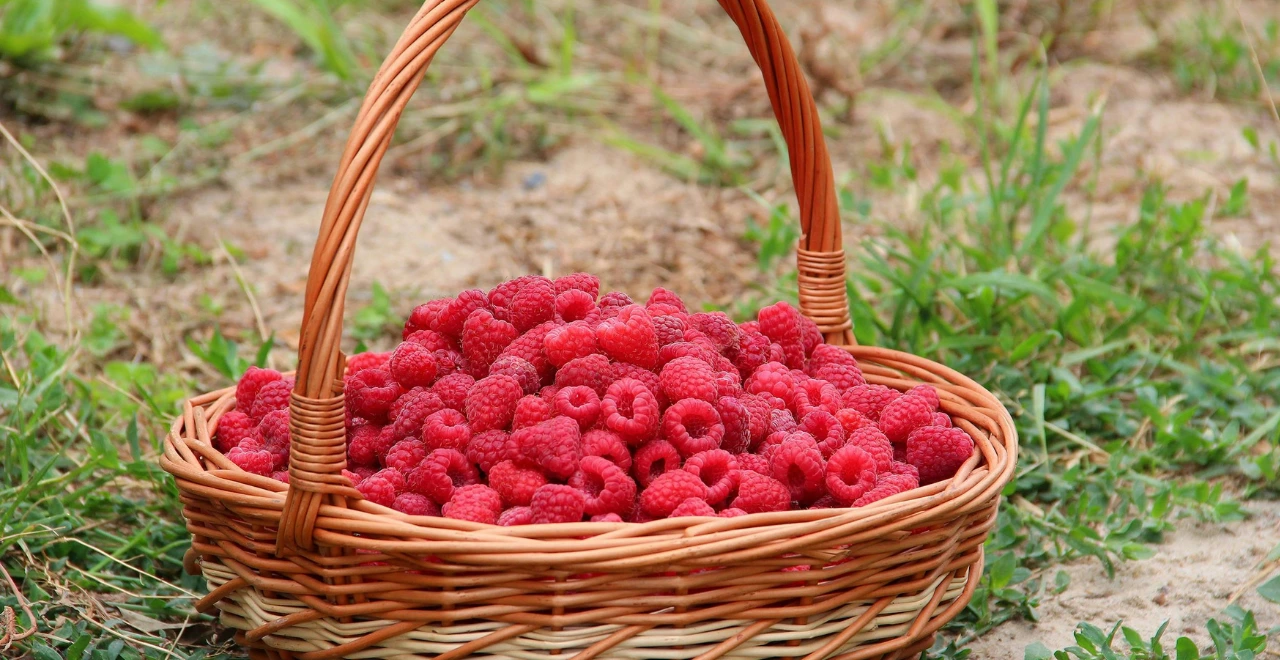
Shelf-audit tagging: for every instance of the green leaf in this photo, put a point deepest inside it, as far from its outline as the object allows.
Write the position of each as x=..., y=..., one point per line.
x=40, y=651
x=7, y=298
x=1002, y=570
x=1271, y=589
x=1186, y=649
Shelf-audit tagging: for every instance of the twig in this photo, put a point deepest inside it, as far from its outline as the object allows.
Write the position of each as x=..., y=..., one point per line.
x=8, y=620
x=1257, y=64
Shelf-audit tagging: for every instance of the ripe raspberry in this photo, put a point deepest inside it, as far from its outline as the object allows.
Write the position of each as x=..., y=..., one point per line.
x=364, y=445
x=629, y=337
x=667, y=491
x=530, y=409
x=415, y=505
x=773, y=378
x=613, y=301
x=281, y=475
x=477, y=503
x=607, y=518
x=411, y=411
x=841, y=376
x=382, y=486
x=452, y=390
x=356, y=477
x=516, y=515
x=755, y=463
x=483, y=340
x=233, y=427
x=669, y=329
x=489, y=448
x=720, y=329
x=568, y=342
x=370, y=393
x=649, y=378
x=530, y=348
x=405, y=455
x=852, y=420
x=688, y=378
x=781, y=421
x=554, y=503
x=491, y=403
x=810, y=335
x=872, y=441
x=500, y=296
x=851, y=472
x=869, y=399
x=412, y=365
x=449, y=361
x=446, y=429
x=516, y=485
x=593, y=371
x=274, y=431
x=548, y=393
x=693, y=507
x=825, y=502
x=452, y=319
x=251, y=382
x=252, y=460
x=753, y=351
x=272, y=397
x=424, y=316
x=760, y=412
x=575, y=305
x=938, y=451
x=691, y=426
x=534, y=303
x=716, y=470
x=904, y=415
x=579, y=403
x=814, y=394
x=606, y=486
x=554, y=446
x=728, y=384
x=886, y=485
x=780, y=322
x=928, y=393
x=758, y=493
x=361, y=361
x=579, y=282
x=520, y=369
x=668, y=300
x=652, y=459
x=631, y=410
x=737, y=424
x=826, y=429
x=798, y=464
x=607, y=445
x=941, y=419
x=825, y=355
x=731, y=513
x=431, y=340
x=683, y=348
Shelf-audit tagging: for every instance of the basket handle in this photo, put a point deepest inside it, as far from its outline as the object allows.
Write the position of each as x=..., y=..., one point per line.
x=318, y=448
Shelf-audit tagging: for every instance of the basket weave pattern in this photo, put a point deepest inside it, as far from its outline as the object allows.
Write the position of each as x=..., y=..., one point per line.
x=312, y=571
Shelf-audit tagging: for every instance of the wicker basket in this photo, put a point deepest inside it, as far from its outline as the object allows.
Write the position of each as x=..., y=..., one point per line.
x=311, y=571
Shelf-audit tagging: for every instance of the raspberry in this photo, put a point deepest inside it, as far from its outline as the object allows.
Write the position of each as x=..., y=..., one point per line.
x=432, y=341
x=579, y=282
x=667, y=300
x=405, y=455
x=758, y=493
x=810, y=335
x=715, y=468
x=452, y=319
x=826, y=429
x=554, y=503
x=371, y=392
x=780, y=322
x=928, y=393
x=424, y=316
x=755, y=463
x=575, y=305
x=753, y=351
x=530, y=409
x=516, y=515
x=814, y=394
x=688, y=378
x=668, y=490
x=683, y=348
x=781, y=421
x=483, y=340
x=720, y=329
x=798, y=464
x=488, y=448
x=607, y=518
x=629, y=337
x=361, y=361
x=437, y=475
x=534, y=303
x=449, y=361
x=841, y=376
x=773, y=378
x=631, y=410
x=281, y=475
x=691, y=426
x=728, y=384
x=941, y=419
x=412, y=365
x=607, y=487
x=251, y=383
x=938, y=451
x=593, y=371
x=886, y=485
x=520, y=369
x=851, y=472
x=529, y=347
x=652, y=459
x=568, y=342
x=731, y=513
x=737, y=424
x=274, y=431
x=548, y=393
x=491, y=403
x=382, y=486
x=760, y=412
x=607, y=445
x=904, y=415
x=872, y=441
x=411, y=411
x=272, y=397
x=446, y=429
x=869, y=399
x=233, y=427
x=669, y=329
x=613, y=301
x=252, y=460
x=477, y=503
x=452, y=390
x=500, y=296
x=852, y=420
x=579, y=403
x=415, y=505
x=554, y=446
x=902, y=467
x=516, y=485
x=693, y=507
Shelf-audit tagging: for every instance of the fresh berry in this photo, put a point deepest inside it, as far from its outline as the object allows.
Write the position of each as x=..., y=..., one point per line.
x=520, y=369
x=250, y=383
x=852, y=420
x=941, y=419
x=489, y=448
x=568, y=342
x=688, y=378
x=281, y=475
x=607, y=487
x=431, y=340
x=607, y=445
x=579, y=282
x=869, y=399
x=554, y=503
x=683, y=348
x=737, y=424
x=938, y=451
x=371, y=392
x=405, y=455
x=851, y=472
x=364, y=445
x=841, y=376
x=446, y=429
x=691, y=426
x=693, y=507
x=529, y=347
x=424, y=316
x=233, y=427
x=491, y=403
x=607, y=517
x=731, y=512
x=531, y=409
x=816, y=394
x=631, y=410
x=669, y=329
x=411, y=411
x=437, y=475
x=593, y=371
x=361, y=361
x=874, y=442
x=274, y=431
x=554, y=446
x=665, y=299
x=652, y=459
x=579, y=403
x=904, y=415
x=477, y=503
x=252, y=460
x=810, y=335
x=413, y=365
x=799, y=465
x=753, y=351
x=760, y=412
x=886, y=485
x=719, y=328
x=610, y=303
x=452, y=319
x=516, y=515
x=826, y=429
x=716, y=469
x=928, y=393
x=516, y=485
x=534, y=303
x=667, y=491
x=629, y=337
x=773, y=378
x=780, y=322
x=574, y=305
x=758, y=493
x=500, y=296
x=452, y=390
x=755, y=463
x=414, y=504
x=781, y=421
x=483, y=340
x=272, y=397
x=449, y=361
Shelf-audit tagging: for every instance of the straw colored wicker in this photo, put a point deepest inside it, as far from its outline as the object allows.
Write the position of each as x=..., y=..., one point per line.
x=312, y=571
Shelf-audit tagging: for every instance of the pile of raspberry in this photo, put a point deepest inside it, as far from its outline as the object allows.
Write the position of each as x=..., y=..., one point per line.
x=541, y=401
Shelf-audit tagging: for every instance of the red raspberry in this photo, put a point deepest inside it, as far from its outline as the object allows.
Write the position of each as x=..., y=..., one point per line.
x=886, y=485
x=548, y=393
x=731, y=513
x=377, y=488
x=361, y=361
x=851, y=472
x=715, y=468
x=869, y=399
x=938, y=452
x=631, y=410
x=449, y=361
x=928, y=393
x=691, y=426
x=760, y=412
x=483, y=340
x=529, y=347
x=370, y=393
x=500, y=296
x=798, y=464
x=607, y=445
x=233, y=427
x=728, y=384
x=554, y=446
x=452, y=319
x=825, y=355
x=613, y=301
x=516, y=515
x=424, y=316
x=274, y=431
x=749, y=326
x=491, y=403
x=414, y=504
x=405, y=455
x=775, y=379
x=737, y=424
x=516, y=485
x=753, y=351
x=683, y=348
x=452, y=390
x=667, y=300
x=826, y=429
x=530, y=409
x=579, y=282
x=720, y=329
x=607, y=518
x=755, y=463
x=629, y=337
x=652, y=459
x=852, y=420
x=688, y=378
x=251, y=382
x=446, y=429
x=941, y=419
x=520, y=369
x=841, y=376
x=364, y=445
x=534, y=303
x=477, y=503
x=432, y=341
x=411, y=411
x=413, y=365
x=904, y=415
x=810, y=335
x=575, y=305
x=780, y=322
x=904, y=468
x=252, y=460
x=758, y=493
x=281, y=475
x=667, y=491
x=693, y=507
x=272, y=397
x=872, y=441
x=489, y=448
x=669, y=329
x=554, y=503
x=814, y=394
x=579, y=403
x=568, y=342
x=650, y=379
x=593, y=371
x=781, y=421
x=607, y=487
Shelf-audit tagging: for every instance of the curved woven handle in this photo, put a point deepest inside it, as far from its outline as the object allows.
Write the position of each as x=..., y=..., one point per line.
x=318, y=450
